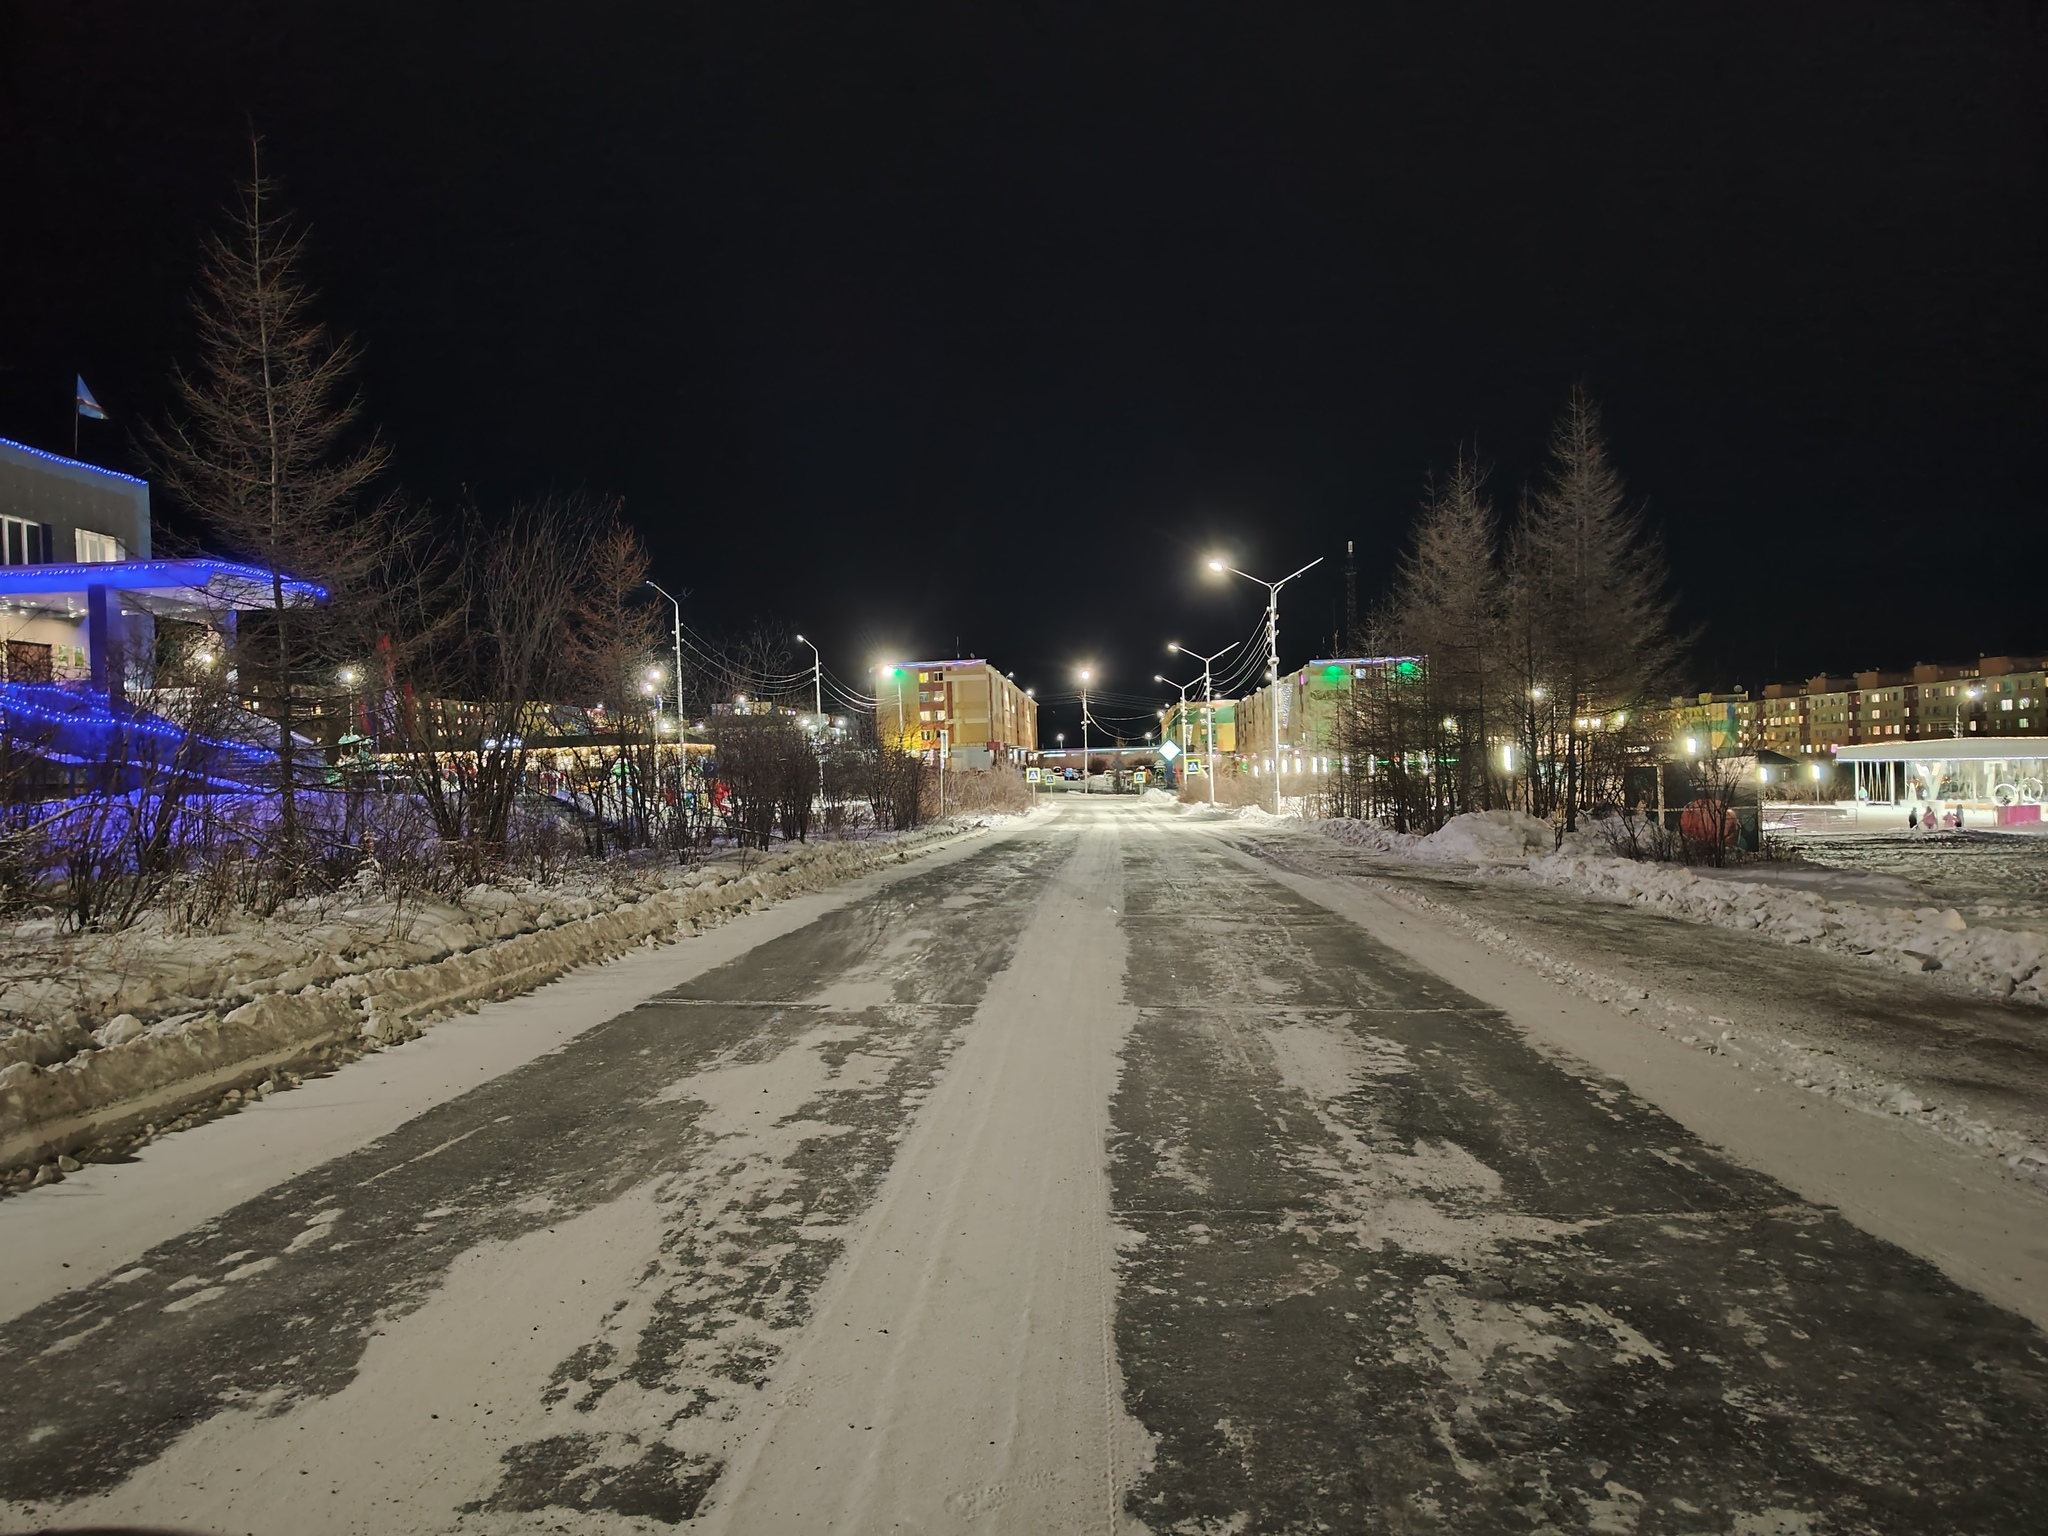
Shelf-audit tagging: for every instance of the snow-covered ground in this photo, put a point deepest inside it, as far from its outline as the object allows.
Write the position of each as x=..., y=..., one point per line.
x=1867, y=912
x=1862, y=896
x=91, y=1023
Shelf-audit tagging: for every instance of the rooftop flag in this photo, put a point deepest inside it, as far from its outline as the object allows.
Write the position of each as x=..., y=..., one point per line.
x=87, y=406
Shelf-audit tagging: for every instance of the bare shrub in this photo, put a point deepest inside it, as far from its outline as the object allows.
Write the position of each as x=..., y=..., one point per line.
x=999, y=788
x=1232, y=788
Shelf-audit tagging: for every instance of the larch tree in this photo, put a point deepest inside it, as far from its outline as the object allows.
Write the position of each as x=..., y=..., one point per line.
x=263, y=445
x=1446, y=606
x=1589, y=616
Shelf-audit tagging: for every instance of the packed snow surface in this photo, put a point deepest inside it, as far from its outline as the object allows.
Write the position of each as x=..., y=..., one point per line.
x=1792, y=903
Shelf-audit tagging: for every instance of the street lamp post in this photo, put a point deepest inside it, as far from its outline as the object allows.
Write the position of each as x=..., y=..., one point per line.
x=678, y=607
x=1183, y=716
x=1086, y=788
x=817, y=679
x=1272, y=650
x=817, y=708
x=1208, y=701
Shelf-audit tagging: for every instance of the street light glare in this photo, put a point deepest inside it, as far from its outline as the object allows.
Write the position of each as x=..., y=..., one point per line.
x=1173, y=646
x=1217, y=565
x=802, y=641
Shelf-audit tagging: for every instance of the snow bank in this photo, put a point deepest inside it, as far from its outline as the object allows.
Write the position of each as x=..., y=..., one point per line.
x=1479, y=837
x=1827, y=1073
x=1997, y=962
x=355, y=985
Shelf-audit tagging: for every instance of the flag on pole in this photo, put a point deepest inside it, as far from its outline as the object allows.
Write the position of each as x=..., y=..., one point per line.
x=87, y=406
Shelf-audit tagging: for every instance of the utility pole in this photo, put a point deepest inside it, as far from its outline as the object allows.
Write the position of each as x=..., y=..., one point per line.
x=1272, y=652
x=1208, y=701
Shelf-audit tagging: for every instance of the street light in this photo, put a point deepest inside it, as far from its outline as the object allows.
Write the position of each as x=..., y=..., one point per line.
x=1272, y=644
x=902, y=728
x=678, y=607
x=1183, y=716
x=1208, y=700
x=1085, y=788
x=818, y=709
x=817, y=679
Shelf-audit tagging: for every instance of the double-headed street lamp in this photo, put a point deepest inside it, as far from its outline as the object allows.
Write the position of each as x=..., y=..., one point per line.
x=1183, y=716
x=1272, y=649
x=1208, y=701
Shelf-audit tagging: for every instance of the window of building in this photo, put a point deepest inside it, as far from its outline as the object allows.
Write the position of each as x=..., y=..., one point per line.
x=26, y=543
x=27, y=662
x=99, y=548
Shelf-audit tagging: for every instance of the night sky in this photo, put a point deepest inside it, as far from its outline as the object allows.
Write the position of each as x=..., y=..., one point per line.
x=899, y=323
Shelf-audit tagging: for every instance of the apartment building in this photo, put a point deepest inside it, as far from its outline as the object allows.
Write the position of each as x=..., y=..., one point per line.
x=980, y=714
x=1715, y=723
x=1995, y=697
x=1782, y=719
x=1298, y=717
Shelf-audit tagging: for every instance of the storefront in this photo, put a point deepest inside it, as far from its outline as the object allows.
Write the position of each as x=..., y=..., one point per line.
x=1988, y=773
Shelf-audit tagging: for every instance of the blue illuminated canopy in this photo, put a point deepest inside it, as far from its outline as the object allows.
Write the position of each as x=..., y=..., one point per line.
x=220, y=583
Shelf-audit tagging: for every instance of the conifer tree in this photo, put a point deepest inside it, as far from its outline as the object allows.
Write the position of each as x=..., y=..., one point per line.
x=262, y=445
x=1589, y=633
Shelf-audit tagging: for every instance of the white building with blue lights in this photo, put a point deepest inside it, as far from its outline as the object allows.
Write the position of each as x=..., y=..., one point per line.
x=79, y=589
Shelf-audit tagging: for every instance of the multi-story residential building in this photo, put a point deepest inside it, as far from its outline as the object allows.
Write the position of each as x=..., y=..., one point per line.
x=2014, y=695
x=984, y=716
x=1830, y=721
x=1997, y=696
x=1296, y=720
x=1715, y=723
x=1782, y=719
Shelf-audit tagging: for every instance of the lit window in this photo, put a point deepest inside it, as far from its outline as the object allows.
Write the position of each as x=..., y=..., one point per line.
x=98, y=548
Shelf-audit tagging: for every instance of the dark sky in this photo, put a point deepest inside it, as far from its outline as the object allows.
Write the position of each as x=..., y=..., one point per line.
x=909, y=322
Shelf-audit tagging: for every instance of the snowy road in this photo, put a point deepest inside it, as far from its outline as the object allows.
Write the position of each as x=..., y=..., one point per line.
x=1101, y=1177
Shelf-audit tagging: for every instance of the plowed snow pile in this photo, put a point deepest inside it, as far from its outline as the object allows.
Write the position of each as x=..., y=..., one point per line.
x=105, y=1035
x=2000, y=962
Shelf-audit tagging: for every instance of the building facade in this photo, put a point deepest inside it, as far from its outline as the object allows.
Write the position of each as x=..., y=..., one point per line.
x=1997, y=696
x=1187, y=727
x=58, y=514
x=1300, y=717
x=979, y=713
